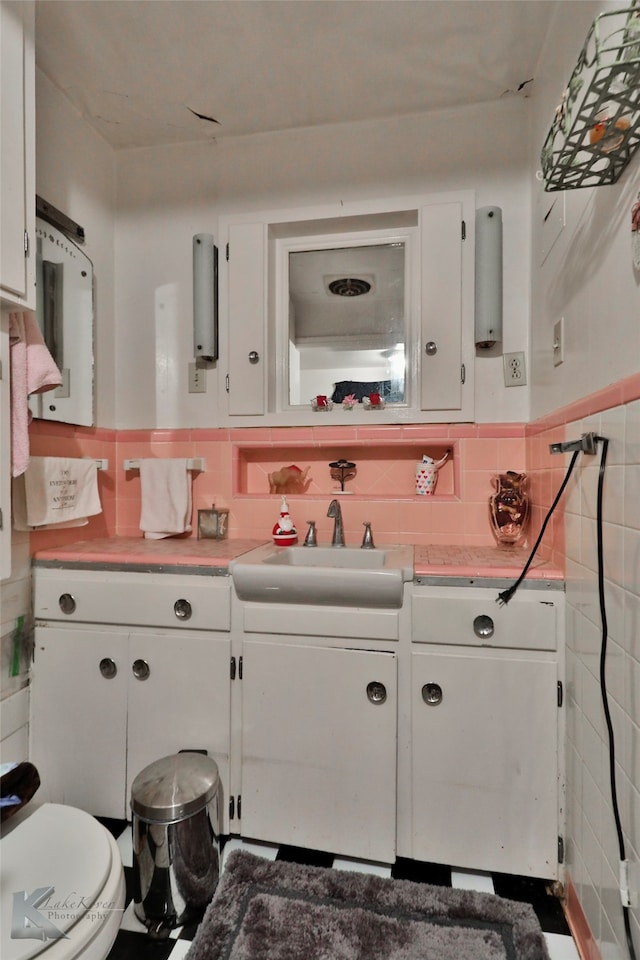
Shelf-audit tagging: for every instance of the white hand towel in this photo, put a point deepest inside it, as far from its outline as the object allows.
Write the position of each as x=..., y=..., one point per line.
x=166, y=498
x=60, y=489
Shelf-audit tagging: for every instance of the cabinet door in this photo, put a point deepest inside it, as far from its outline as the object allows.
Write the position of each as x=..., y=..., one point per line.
x=17, y=136
x=78, y=721
x=444, y=315
x=184, y=701
x=247, y=318
x=485, y=763
x=318, y=757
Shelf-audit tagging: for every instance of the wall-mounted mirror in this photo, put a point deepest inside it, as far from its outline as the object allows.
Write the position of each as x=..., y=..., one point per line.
x=64, y=309
x=347, y=322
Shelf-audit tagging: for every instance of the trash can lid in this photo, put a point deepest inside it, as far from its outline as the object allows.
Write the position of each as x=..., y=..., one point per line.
x=174, y=787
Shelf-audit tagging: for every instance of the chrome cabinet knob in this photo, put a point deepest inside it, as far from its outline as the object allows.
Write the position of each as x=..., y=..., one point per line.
x=254, y=356
x=67, y=603
x=141, y=669
x=432, y=694
x=483, y=627
x=108, y=668
x=431, y=348
x=182, y=609
x=376, y=692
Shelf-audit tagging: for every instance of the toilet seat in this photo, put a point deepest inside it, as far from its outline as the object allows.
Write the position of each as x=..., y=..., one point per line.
x=61, y=847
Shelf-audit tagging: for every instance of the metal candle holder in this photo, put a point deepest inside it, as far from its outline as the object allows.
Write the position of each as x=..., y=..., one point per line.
x=342, y=470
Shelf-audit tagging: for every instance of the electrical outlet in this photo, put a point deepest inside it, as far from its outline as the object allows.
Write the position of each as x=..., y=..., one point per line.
x=197, y=379
x=558, y=342
x=515, y=373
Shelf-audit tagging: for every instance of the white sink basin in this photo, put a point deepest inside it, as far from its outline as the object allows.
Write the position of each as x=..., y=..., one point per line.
x=334, y=576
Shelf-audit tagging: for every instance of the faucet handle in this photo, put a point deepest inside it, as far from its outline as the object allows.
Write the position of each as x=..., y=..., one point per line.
x=311, y=539
x=367, y=540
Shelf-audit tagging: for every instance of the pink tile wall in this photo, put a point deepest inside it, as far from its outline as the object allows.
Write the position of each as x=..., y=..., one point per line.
x=384, y=487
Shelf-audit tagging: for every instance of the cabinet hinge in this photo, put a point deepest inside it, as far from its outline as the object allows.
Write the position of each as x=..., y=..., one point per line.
x=560, y=693
x=464, y=230
x=232, y=808
x=239, y=807
x=239, y=668
x=226, y=383
x=26, y=244
x=226, y=252
x=463, y=373
x=1, y=520
x=560, y=849
x=232, y=668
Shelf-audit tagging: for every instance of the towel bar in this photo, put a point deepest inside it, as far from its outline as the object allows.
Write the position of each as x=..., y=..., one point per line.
x=196, y=463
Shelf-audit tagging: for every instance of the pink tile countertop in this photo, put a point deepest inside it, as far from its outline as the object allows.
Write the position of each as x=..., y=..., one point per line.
x=429, y=561
x=454, y=561
x=136, y=551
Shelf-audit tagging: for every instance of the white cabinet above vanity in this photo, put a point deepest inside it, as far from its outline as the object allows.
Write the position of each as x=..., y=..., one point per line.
x=350, y=299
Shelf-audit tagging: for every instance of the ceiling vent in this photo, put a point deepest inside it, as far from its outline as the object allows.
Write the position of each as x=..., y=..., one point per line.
x=349, y=287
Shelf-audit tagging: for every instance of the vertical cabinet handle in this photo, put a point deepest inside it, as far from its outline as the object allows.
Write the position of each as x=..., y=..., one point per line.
x=108, y=668
x=141, y=669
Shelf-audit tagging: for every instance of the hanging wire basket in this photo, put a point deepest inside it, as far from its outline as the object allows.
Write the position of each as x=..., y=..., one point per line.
x=596, y=128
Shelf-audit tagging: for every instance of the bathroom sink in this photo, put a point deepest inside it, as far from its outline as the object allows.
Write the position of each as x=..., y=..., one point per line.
x=335, y=576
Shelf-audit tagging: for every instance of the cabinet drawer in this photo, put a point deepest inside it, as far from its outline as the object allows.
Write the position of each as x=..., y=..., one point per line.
x=476, y=620
x=135, y=599
x=289, y=619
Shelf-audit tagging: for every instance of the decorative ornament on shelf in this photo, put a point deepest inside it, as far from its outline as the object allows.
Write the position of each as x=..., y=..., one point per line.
x=509, y=508
x=342, y=470
x=288, y=480
x=321, y=404
x=427, y=474
x=349, y=402
x=373, y=402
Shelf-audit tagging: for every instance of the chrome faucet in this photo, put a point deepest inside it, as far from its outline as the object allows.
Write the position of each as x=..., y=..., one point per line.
x=335, y=512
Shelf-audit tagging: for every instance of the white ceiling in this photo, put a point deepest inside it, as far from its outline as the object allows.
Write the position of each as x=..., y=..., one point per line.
x=135, y=69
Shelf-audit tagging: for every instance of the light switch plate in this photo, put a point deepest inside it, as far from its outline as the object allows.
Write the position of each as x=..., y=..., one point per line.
x=558, y=342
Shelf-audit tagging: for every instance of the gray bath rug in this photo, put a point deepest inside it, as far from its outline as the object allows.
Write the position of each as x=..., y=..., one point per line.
x=266, y=910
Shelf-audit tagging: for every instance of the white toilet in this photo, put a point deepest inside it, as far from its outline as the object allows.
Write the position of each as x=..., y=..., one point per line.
x=47, y=846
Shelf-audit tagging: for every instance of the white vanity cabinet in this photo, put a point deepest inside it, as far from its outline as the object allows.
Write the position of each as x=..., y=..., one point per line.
x=319, y=730
x=485, y=730
x=138, y=669
x=17, y=154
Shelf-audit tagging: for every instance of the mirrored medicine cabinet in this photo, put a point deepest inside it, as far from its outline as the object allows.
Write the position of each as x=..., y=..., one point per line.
x=362, y=302
x=65, y=314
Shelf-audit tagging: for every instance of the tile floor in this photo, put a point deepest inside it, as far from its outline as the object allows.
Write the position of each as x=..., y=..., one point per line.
x=132, y=942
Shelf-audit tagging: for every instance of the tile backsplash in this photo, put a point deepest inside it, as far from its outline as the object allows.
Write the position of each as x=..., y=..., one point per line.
x=238, y=462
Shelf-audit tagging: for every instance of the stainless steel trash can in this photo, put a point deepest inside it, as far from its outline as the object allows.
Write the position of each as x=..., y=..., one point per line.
x=175, y=804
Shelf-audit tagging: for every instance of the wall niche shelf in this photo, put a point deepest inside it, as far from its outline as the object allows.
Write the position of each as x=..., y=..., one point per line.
x=596, y=128
x=384, y=470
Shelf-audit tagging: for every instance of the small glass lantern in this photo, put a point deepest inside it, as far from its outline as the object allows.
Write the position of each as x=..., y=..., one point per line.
x=213, y=524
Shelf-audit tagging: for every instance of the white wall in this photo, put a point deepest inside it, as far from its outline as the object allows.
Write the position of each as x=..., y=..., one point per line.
x=588, y=278
x=165, y=195
x=75, y=172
